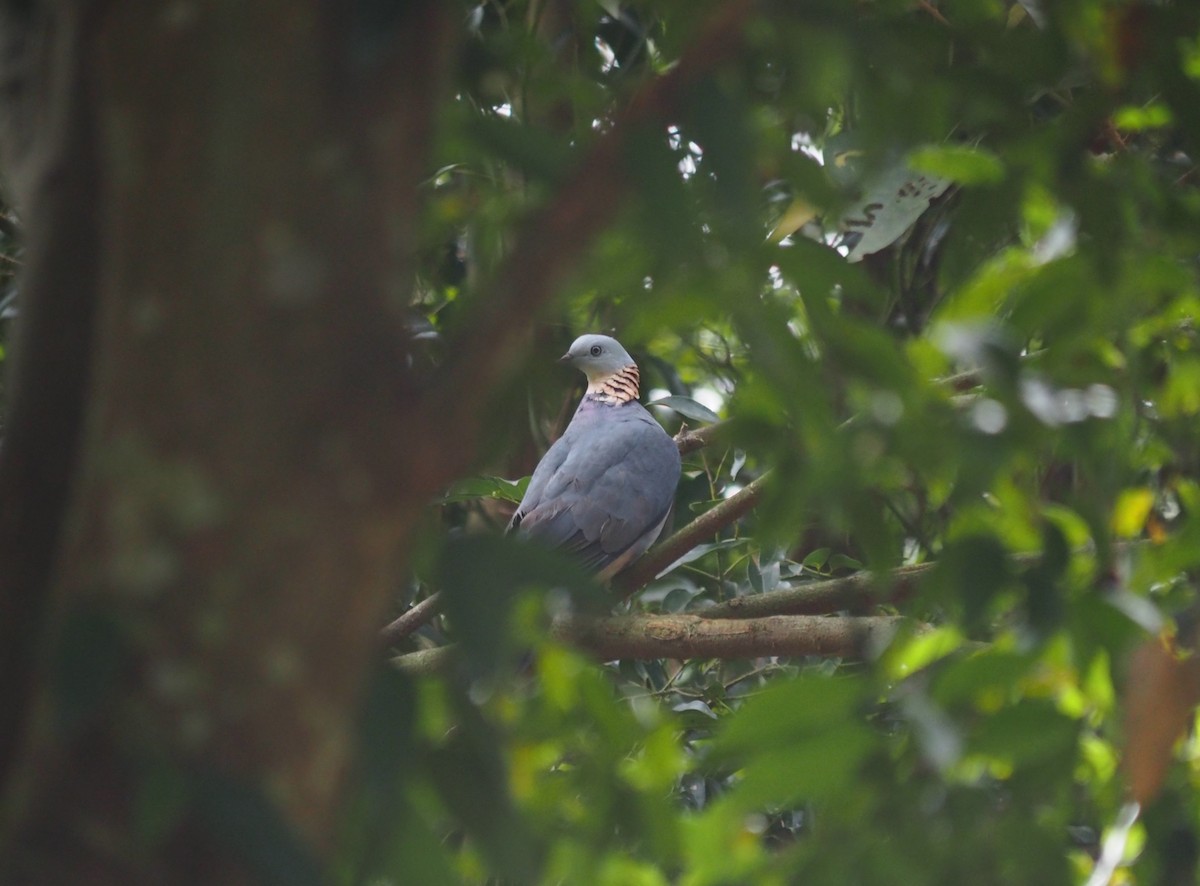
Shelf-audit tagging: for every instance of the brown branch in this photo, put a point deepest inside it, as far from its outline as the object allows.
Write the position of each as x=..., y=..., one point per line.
x=933, y=12
x=690, y=441
x=426, y=661
x=857, y=593
x=648, y=637
x=707, y=524
x=412, y=619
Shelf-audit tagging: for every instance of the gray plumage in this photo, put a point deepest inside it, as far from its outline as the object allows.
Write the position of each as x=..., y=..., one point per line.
x=604, y=490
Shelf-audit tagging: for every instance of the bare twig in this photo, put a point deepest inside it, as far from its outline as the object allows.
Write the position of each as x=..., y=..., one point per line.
x=690, y=441
x=961, y=382
x=412, y=619
x=933, y=12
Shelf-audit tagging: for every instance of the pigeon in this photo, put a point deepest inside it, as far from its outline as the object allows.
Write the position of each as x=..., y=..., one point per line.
x=604, y=490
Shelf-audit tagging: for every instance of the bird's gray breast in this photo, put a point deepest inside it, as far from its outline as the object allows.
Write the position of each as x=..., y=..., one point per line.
x=604, y=486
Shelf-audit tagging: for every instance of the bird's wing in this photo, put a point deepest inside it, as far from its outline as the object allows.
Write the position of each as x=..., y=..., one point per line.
x=546, y=468
x=607, y=490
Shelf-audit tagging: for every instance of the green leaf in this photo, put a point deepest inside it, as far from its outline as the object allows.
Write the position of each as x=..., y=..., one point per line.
x=1033, y=731
x=762, y=570
x=481, y=578
x=668, y=208
x=905, y=657
x=959, y=163
x=788, y=711
x=386, y=728
x=688, y=408
x=842, y=561
x=537, y=152
x=473, y=783
x=815, y=559
x=974, y=569
x=1134, y=119
x=1130, y=512
x=986, y=674
x=718, y=113
x=701, y=550
x=472, y=488
x=816, y=767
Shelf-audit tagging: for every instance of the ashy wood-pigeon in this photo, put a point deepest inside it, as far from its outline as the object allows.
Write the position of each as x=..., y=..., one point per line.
x=604, y=490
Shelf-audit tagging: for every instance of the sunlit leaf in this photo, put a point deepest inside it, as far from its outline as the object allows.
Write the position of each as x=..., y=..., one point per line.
x=910, y=655
x=1130, y=512
x=958, y=163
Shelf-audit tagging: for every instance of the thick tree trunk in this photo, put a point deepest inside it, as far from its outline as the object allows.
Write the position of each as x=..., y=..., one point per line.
x=239, y=183
x=47, y=129
x=222, y=485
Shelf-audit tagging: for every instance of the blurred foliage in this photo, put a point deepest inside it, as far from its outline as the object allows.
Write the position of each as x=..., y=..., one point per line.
x=937, y=266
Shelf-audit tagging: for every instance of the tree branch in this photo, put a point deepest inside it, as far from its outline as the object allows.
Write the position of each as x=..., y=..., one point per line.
x=690, y=441
x=857, y=593
x=648, y=637
x=426, y=661
x=412, y=619
x=707, y=524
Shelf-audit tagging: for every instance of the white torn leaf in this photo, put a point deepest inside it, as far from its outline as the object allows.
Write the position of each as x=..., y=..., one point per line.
x=892, y=200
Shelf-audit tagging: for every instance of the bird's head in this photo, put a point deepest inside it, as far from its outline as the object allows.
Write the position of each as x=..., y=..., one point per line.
x=597, y=356
x=611, y=373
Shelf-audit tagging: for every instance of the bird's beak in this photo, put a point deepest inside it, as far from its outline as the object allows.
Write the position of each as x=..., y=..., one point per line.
x=565, y=358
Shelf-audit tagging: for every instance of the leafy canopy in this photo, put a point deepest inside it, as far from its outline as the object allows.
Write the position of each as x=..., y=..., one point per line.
x=936, y=266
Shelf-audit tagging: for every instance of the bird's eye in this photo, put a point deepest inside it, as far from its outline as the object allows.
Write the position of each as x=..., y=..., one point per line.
x=595, y=350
